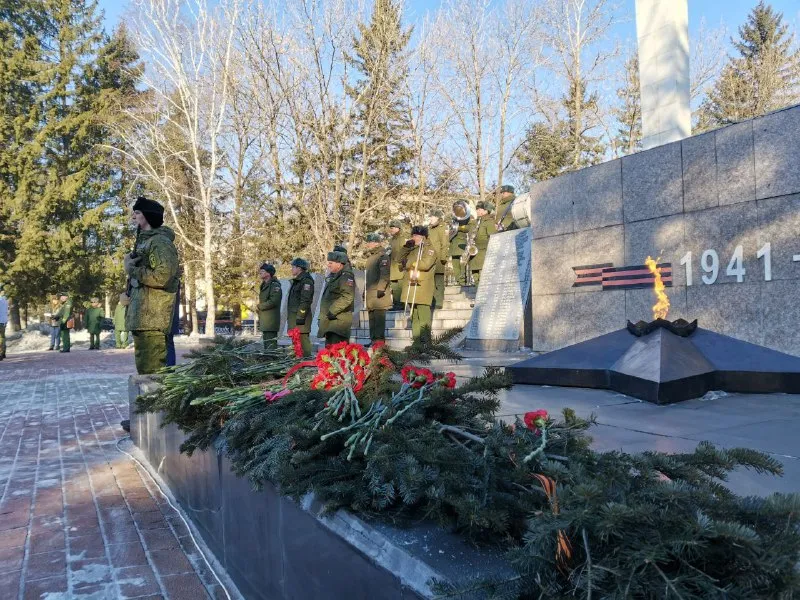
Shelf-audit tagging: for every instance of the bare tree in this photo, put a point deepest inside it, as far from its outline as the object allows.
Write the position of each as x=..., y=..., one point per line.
x=706, y=58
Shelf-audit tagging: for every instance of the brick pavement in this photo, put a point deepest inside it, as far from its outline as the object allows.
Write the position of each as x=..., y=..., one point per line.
x=77, y=519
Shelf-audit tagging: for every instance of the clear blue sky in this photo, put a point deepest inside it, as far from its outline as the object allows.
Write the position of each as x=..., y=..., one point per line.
x=732, y=12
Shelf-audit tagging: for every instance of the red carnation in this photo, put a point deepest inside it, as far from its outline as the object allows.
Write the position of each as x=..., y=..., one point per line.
x=294, y=334
x=535, y=419
x=449, y=380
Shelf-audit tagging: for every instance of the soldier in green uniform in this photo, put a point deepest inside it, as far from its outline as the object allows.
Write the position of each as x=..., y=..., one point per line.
x=298, y=308
x=269, y=306
x=418, y=286
x=439, y=241
x=120, y=329
x=337, y=301
x=458, y=242
x=153, y=272
x=379, y=291
x=482, y=228
x=64, y=316
x=504, y=221
x=94, y=319
x=396, y=241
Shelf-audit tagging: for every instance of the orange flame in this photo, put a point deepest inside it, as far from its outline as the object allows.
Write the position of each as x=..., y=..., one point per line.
x=661, y=307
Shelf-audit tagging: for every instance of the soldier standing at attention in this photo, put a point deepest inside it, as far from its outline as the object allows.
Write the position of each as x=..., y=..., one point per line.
x=94, y=319
x=153, y=271
x=458, y=240
x=269, y=306
x=64, y=316
x=379, y=290
x=301, y=296
x=396, y=241
x=504, y=218
x=482, y=228
x=439, y=241
x=120, y=331
x=338, y=300
x=418, y=286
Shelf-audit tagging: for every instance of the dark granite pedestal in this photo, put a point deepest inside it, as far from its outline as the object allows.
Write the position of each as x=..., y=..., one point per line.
x=274, y=548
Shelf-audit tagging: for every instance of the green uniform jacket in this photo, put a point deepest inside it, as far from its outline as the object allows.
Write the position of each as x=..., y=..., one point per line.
x=395, y=246
x=301, y=296
x=64, y=313
x=337, y=300
x=425, y=262
x=154, y=282
x=378, y=273
x=439, y=241
x=459, y=241
x=483, y=228
x=269, y=305
x=94, y=318
x=508, y=221
x=119, y=317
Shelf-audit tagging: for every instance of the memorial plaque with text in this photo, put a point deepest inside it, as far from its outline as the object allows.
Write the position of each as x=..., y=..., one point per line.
x=504, y=288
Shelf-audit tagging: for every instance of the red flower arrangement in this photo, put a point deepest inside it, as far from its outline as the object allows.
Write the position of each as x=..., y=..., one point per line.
x=295, y=334
x=341, y=364
x=416, y=377
x=449, y=380
x=535, y=419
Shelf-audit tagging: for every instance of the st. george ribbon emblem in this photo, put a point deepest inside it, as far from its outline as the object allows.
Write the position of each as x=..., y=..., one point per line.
x=620, y=278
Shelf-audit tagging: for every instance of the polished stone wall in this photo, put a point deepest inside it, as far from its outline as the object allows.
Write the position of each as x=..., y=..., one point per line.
x=725, y=192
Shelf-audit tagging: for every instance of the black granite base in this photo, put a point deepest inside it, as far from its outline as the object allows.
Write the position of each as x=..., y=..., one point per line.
x=662, y=367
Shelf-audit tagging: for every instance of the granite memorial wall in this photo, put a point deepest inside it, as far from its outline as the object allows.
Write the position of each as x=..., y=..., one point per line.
x=720, y=209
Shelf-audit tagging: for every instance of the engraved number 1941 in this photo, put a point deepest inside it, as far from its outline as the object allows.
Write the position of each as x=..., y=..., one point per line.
x=709, y=262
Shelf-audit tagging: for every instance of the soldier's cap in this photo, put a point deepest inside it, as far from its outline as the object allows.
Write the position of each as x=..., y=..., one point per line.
x=437, y=212
x=152, y=210
x=507, y=189
x=340, y=248
x=419, y=230
x=300, y=263
x=485, y=205
x=373, y=237
x=268, y=268
x=335, y=256
x=63, y=294
x=395, y=223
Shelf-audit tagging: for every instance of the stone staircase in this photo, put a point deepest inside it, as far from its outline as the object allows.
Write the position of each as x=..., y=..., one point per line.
x=456, y=311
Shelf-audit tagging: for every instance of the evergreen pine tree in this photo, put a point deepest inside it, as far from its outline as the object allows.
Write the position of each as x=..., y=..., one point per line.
x=544, y=154
x=763, y=77
x=629, y=113
x=585, y=149
x=381, y=152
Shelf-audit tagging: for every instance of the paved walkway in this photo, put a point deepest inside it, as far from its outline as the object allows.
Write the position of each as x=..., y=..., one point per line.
x=77, y=518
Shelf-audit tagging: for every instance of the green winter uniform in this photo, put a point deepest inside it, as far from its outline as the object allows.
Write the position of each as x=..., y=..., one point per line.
x=438, y=239
x=457, y=244
x=481, y=229
x=336, y=306
x=298, y=308
x=379, y=291
x=505, y=221
x=269, y=312
x=94, y=318
x=120, y=329
x=396, y=272
x=63, y=315
x=419, y=285
x=154, y=285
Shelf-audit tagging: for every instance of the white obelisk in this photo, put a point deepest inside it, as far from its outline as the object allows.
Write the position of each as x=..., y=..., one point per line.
x=662, y=28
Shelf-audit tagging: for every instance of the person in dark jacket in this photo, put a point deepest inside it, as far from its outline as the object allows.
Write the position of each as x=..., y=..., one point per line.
x=298, y=307
x=269, y=306
x=175, y=329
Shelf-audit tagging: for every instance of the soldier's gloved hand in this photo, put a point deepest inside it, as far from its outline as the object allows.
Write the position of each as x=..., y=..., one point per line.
x=300, y=321
x=331, y=316
x=409, y=244
x=381, y=293
x=130, y=262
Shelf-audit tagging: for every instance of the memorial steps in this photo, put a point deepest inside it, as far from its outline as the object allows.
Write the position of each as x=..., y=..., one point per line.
x=456, y=311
